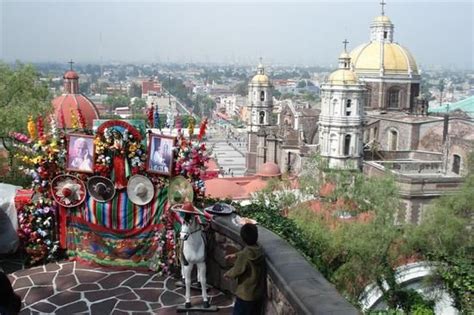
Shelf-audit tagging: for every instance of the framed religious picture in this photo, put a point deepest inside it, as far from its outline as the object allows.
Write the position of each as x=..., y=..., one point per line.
x=160, y=154
x=80, y=153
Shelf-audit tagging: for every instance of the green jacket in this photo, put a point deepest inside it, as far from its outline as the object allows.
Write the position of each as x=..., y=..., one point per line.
x=249, y=271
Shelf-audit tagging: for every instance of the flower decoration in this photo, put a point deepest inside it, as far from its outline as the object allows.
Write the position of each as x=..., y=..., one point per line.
x=74, y=121
x=31, y=128
x=82, y=120
x=36, y=231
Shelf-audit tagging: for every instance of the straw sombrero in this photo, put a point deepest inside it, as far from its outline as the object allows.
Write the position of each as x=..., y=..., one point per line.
x=140, y=190
x=100, y=188
x=68, y=191
x=186, y=207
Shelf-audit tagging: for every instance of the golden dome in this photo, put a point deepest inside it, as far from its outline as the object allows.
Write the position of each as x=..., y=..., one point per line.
x=343, y=76
x=396, y=59
x=382, y=19
x=260, y=79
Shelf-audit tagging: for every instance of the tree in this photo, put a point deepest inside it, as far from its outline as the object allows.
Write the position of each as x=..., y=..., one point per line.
x=242, y=88
x=135, y=90
x=445, y=236
x=301, y=84
x=115, y=101
x=138, y=106
x=21, y=95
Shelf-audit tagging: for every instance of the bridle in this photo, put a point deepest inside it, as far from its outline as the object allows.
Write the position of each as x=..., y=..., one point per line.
x=188, y=234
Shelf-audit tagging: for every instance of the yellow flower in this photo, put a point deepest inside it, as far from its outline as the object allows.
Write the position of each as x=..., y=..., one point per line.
x=31, y=126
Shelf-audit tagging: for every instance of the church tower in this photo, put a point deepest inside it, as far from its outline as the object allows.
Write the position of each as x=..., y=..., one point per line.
x=340, y=121
x=259, y=107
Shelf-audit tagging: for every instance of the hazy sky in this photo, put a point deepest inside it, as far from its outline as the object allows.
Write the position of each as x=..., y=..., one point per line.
x=310, y=32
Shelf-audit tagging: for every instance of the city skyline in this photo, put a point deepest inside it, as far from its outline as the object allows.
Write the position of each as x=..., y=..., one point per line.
x=304, y=33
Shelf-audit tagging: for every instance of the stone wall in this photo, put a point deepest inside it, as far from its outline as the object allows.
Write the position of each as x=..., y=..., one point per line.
x=293, y=285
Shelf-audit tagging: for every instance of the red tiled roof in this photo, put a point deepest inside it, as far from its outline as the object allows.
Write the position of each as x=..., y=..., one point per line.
x=221, y=188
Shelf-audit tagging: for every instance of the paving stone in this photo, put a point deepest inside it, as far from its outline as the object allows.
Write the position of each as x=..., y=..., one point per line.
x=114, y=280
x=104, y=294
x=78, y=307
x=66, y=269
x=132, y=306
x=127, y=296
x=117, y=312
x=85, y=276
x=22, y=283
x=140, y=313
x=64, y=298
x=136, y=281
x=25, y=311
x=37, y=294
x=22, y=292
x=45, y=278
x=52, y=267
x=169, y=298
x=65, y=282
x=44, y=307
x=170, y=284
x=149, y=295
x=103, y=307
x=155, y=306
x=86, y=287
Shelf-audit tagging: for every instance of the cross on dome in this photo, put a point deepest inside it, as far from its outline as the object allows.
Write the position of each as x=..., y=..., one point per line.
x=260, y=69
x=345, y=42
x=71, y=63
x=382, y=4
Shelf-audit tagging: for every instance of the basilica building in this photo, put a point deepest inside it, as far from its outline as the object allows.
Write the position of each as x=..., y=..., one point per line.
x=372, y=119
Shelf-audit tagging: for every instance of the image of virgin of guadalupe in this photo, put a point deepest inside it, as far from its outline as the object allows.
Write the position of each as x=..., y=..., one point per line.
x=119, y=160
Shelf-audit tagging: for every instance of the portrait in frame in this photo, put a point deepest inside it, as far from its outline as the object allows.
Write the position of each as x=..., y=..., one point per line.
x=160, y=154
x=80, y=153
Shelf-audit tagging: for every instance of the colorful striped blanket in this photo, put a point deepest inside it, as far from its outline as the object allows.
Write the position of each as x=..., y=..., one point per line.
x=116, y=233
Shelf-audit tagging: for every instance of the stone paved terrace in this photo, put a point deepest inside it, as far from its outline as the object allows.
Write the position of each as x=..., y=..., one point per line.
x=72, y=288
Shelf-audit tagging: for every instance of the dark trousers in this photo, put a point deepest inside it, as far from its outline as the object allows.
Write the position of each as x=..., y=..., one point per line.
x=242, y=307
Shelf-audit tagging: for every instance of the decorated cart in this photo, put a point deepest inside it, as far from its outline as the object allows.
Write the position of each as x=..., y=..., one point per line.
x=101, y=195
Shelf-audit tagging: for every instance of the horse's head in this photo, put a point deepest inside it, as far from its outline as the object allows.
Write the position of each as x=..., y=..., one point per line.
x=189, y=225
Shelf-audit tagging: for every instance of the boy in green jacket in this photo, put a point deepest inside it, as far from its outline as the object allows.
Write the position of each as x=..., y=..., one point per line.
x=249, y=271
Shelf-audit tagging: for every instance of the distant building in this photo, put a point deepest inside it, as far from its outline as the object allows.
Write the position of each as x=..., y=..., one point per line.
x=150, y=88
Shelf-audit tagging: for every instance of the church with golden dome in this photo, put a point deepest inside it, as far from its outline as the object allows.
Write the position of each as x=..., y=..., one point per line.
x=388, y=69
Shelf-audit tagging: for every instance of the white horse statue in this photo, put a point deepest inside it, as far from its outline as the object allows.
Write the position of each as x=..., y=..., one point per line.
x=194, y=253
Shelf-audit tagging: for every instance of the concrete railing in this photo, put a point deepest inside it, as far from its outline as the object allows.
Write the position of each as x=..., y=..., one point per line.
x=293, y=285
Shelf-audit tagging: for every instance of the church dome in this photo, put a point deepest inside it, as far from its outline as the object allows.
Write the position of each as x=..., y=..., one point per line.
x=71, y=102
x=382, y=19
x=71, y=74
x=269, y=169
x=342, y=76
x=396, y=59
x=260, y=79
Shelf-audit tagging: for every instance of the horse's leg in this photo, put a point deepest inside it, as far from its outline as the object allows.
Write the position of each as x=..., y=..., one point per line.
x=187, y=281
x=202, y=280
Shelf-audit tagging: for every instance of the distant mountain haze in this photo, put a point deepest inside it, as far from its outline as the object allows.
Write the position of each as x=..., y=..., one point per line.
x=301, y=33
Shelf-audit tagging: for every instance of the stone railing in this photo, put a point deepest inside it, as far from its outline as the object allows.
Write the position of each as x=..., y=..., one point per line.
x=293, y=285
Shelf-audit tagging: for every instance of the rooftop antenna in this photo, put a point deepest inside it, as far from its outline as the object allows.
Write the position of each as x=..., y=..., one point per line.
x=382, y=3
